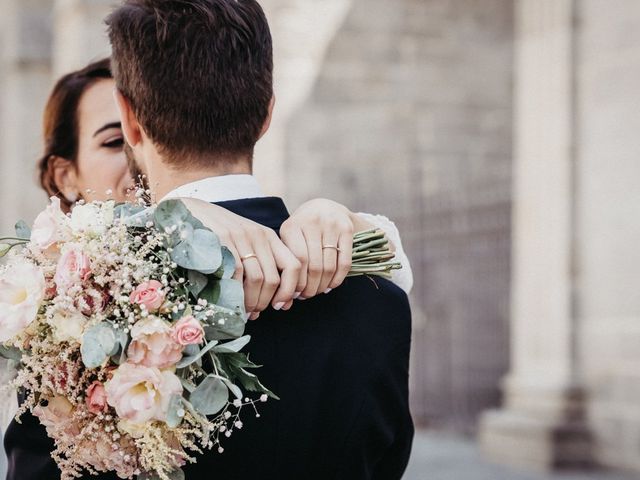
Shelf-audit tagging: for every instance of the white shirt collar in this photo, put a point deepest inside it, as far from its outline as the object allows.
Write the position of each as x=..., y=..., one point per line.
x=219, y=189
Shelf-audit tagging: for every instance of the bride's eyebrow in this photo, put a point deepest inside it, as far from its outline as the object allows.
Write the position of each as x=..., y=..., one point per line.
x=107, y=127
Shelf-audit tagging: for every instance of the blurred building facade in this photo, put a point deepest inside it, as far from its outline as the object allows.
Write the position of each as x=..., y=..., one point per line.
x=498, y=134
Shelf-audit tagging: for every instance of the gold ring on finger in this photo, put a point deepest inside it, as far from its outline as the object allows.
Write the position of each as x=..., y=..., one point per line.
x=248, y=256
x=333, y=247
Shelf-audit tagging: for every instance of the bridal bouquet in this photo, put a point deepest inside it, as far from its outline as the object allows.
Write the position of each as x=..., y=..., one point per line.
x=128, y=328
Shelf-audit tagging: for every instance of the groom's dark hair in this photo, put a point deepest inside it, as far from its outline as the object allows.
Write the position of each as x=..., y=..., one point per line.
x=198, y=73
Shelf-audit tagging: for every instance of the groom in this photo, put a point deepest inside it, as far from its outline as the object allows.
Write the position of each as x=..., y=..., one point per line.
x=194, y=88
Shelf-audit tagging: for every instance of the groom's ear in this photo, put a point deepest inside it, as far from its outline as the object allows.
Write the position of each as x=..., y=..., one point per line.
x=130, y=127
x=267, y=121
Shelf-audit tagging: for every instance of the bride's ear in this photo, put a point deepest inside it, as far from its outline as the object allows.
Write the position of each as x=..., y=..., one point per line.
x=267, y=121
x=64, y=175
x=130, y=126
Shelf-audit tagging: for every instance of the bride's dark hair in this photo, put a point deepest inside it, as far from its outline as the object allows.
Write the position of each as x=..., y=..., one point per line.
x=60, y=122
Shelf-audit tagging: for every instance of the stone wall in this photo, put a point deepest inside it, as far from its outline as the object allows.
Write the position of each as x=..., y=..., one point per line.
x=410, y=116
x=25, y=67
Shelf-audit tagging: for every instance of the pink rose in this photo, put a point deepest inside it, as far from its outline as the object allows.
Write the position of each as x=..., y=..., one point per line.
x=150, y=294
x=96, y=398
x=141, y=394
x=187, y=331
x=152, y=345
x=73, y=267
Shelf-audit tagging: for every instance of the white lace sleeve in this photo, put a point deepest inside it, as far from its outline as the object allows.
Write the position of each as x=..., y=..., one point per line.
x=8, y=400
x=8, y=408
x=403, y=277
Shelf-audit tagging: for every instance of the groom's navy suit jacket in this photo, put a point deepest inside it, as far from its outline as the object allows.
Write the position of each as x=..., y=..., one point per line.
x=339, y=362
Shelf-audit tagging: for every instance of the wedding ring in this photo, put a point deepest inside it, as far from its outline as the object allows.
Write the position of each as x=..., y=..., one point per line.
x=247, y=257
x=334, y=247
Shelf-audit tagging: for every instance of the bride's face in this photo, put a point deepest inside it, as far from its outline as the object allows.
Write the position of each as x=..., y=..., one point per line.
x=101, y=169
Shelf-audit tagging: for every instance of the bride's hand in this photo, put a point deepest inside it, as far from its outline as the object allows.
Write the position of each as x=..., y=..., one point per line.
x=269, y=278
x=312, y=233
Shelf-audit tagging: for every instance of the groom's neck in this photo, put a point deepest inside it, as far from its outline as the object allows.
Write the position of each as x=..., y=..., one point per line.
x=164, y=178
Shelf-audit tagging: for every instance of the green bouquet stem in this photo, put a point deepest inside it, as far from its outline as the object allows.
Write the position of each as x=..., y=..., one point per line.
x=9, y=243
x=371, y=255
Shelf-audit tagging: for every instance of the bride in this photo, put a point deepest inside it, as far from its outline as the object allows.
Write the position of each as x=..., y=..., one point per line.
x=84, y=159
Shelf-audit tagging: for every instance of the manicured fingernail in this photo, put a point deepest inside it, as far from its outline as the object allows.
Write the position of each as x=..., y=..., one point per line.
x=302, y=298
x=254, y=316
x=247, y=316
x=296, y=295
x=278, y=306
x=328, y=290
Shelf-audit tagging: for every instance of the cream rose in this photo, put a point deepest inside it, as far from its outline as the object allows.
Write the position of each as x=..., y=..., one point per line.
x=48, y=226
x=141, y=394
x=92, y=218
x=22, y=288
x=68, y=328
x=152, y=344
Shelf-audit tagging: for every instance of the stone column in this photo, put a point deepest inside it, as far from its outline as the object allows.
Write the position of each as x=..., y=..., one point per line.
x=541, y=423
x=80, y=33
x=302, y=31
x=25, y=58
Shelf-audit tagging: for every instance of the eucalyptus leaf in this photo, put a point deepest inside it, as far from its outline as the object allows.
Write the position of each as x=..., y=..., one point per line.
x=234, y=346
x=231, y=294
x=186, y=361
x=134, y=215
x=11, y=353
x=171, y=213
x=200, y=252
x=228, y=267
x=177, y=475
x=210, y=396
x=211, y=293
x=122, y=339
x=23, y=230
x=190, y=350
x=233, y=326
x=173, y=417
x=188, y=386
x=196, y=282
x=231, y=386
x=99, y=342
x=148, y=476
x=174, y=475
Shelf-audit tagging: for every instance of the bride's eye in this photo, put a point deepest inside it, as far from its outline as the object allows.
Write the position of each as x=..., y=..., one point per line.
x=115, y=143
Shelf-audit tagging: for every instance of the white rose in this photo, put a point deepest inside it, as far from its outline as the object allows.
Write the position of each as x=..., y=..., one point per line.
x=68, y=328
x=92, y=218
x=22, y=288
x=49, y=225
